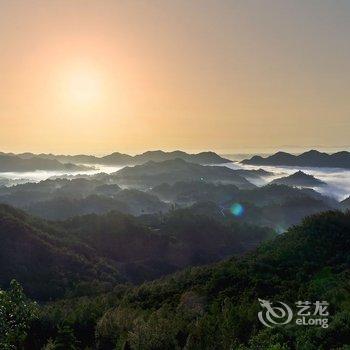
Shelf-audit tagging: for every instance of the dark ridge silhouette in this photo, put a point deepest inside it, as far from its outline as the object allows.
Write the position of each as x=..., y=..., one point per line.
x=117, y=158
x=345, y=204
x=12, y=163
x=311, y=158
x=170, y=171
x=299, y=179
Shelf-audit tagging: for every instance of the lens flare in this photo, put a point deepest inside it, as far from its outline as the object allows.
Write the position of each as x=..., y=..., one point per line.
x=237, y=209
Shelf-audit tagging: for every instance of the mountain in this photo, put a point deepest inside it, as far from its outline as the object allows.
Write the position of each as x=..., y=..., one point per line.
x=276, y=215
x=79, y=158
x=126, y=201
x=25, y=194
x=275, y=206
x=62, y=198
x=204, y=158
x=117, y=158
x=289, y=212
x=62, y=208
x=167, y=243
x=170, y=171
x=12, y=163
x=253, y=173
x=299, y=179
x=187, y=193
x=140, y=203
x=311, y=158
x=277, y=194
x=37, y=255
x=51, y=259
x=217, y=306
x=345, y=204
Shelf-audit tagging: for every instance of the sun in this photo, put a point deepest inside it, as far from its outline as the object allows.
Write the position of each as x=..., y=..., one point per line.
x=84, y=88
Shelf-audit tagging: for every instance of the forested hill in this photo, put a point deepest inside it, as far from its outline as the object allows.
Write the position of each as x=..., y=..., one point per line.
x=94, y=252
x=170, y=171
x=216, y=307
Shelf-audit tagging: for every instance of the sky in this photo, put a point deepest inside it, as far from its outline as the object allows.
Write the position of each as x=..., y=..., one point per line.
x=97, y=76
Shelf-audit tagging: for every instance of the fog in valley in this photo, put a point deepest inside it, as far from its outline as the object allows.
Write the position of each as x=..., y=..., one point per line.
x=337, y=180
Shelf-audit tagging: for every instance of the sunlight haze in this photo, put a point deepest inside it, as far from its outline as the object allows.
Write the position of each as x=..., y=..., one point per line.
x=102, y=76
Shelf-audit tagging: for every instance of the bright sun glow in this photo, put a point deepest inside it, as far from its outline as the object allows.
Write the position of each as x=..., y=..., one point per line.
x=84, y=88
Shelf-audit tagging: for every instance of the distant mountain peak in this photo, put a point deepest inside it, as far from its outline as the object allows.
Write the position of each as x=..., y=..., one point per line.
x=300, y=173
x=299, y=178
x=311, y=158
x=282, y=153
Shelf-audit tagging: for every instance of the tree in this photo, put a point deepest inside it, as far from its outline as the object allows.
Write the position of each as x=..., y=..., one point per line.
x=16, y=314
x=65, y=339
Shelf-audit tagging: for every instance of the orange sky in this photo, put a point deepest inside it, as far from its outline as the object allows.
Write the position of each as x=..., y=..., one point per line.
x=85, y=76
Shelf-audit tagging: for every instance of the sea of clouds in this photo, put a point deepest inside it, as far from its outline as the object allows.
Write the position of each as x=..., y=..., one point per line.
x=337, y=180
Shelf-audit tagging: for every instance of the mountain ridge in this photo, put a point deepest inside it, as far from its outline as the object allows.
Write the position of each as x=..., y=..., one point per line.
x=117, y=158
x=312, y=158
x=299, y=178
x=14, y=163
x=169, y=171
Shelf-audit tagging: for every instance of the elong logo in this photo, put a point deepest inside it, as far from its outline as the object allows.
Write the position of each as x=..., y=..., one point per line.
x=274, y=315
x=282, y=314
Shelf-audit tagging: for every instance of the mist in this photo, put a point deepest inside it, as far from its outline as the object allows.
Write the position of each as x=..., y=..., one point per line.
x=337, y=180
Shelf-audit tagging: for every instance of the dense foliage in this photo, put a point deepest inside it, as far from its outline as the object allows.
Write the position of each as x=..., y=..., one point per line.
x=216, y=307
x=16, y=314
x=92, y=253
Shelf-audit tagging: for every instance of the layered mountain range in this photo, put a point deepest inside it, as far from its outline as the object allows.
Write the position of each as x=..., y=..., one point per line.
x=120, y=159
x=120, y=260
x=13, y=163
x=311, y=158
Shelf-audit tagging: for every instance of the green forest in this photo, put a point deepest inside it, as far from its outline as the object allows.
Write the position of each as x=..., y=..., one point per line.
x=208, y=307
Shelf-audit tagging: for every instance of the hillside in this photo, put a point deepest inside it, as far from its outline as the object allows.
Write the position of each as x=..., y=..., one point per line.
x=61, y=198
x=195, y=191
x=307, y=159
x=26, y=194
x=126, y=201
x=170, y=171
x=51, y=259
x=37, y=255
x=299, y=179
x=201, y=191
x=275, y=206
x=12, y=163
x=345, y=204
x=216, y=307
